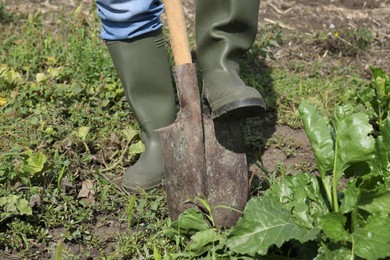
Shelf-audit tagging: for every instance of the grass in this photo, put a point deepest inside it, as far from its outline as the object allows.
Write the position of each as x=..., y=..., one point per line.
x=60, y=99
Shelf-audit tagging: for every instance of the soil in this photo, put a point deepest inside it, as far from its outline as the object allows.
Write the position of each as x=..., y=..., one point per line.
x=299, y=17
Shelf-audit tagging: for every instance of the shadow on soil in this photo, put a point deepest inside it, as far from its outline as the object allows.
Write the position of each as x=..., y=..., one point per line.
x=258, y=130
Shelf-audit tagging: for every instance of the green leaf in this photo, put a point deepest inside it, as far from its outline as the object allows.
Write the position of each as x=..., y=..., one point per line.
x=366, y=96
x=377, y=72
x=353, y=142
x=137, y=148
x=156, y=254
x=59, y=250
x=373, y=240
x=5, y=200
x=40, y=77
x=333, y=225
x=383, y=148
x=24, y=207
x=265, y=222
x=12, y=205
x=203, y=241
x=60, y=175
x=130, y=134
x=375, y=202
x=380, y=81
x=190, y=222
x=358, y=169
x=82, y=132
x=204, y=203
x=341, y=253
x=340, y=113
x=380, y=102
x=10, y=76
x=3, y=101
x=10, y=208
x=9, y=203
x=77, y=88
x=301, y=195
x=55, y=72
x=371, y=182
x=351, y=197
x=33, y=162
x=318, y=132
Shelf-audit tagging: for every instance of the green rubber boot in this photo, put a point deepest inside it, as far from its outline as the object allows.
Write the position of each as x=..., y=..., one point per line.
x=225, y=30
x=143, y=69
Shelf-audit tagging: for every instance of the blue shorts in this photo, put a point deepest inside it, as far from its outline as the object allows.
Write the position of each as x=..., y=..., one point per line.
x=126, y=19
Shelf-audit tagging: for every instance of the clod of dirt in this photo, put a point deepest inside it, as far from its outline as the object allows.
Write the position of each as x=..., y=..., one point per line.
x=35, y=201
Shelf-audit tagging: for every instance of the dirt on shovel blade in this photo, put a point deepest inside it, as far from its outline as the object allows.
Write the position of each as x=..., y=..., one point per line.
x=203, y=158
x=227, y=170
x=183, y=146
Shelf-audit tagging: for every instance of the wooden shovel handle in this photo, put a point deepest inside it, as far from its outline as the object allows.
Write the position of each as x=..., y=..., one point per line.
x=178, y=32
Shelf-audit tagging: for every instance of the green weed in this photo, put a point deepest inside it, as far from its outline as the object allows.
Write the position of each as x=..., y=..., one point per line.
x=64, y=121
x=349, y=42
x=5, y=17
x=288, y=146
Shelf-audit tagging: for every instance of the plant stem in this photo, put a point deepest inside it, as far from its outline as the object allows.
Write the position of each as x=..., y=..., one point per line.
x=354, y=215
x=59, y=250
x=353, y=219
x=328, y=190
x=86, y=147
x=335, y=195
x=115, y=164
x=353, y=249
x=335, y=178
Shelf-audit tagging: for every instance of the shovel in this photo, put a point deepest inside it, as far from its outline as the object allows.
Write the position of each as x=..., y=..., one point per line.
x=203, y=158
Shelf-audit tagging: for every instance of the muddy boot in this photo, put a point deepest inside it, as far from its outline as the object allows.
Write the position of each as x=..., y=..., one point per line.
x=143, y=68
x=225, y=30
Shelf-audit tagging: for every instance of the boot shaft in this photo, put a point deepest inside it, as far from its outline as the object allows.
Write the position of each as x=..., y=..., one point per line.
x=143, y=68
x=225, y=30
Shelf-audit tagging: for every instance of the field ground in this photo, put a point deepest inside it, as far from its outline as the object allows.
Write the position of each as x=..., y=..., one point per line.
x=315, y=50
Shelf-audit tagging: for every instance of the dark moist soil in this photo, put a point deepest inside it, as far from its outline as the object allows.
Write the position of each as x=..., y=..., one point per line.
x=298, y=17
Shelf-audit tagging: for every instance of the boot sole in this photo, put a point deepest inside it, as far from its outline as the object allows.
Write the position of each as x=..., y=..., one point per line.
x=136, y=187
x=243, y=108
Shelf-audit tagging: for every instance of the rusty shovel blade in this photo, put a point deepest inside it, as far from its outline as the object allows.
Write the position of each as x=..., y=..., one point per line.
x=183, y=145
x=226, y=169
x=203, y=157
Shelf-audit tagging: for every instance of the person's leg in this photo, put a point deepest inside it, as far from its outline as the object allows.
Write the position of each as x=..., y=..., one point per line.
x=142, y=65
x=126, y=19
x=225, y=30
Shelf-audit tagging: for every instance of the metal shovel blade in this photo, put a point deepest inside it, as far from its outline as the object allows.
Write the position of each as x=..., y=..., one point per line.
x=202, y=158
x=226, y=169
x=183, y=145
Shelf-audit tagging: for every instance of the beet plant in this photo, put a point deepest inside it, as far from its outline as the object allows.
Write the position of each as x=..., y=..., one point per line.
x=341, y=213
